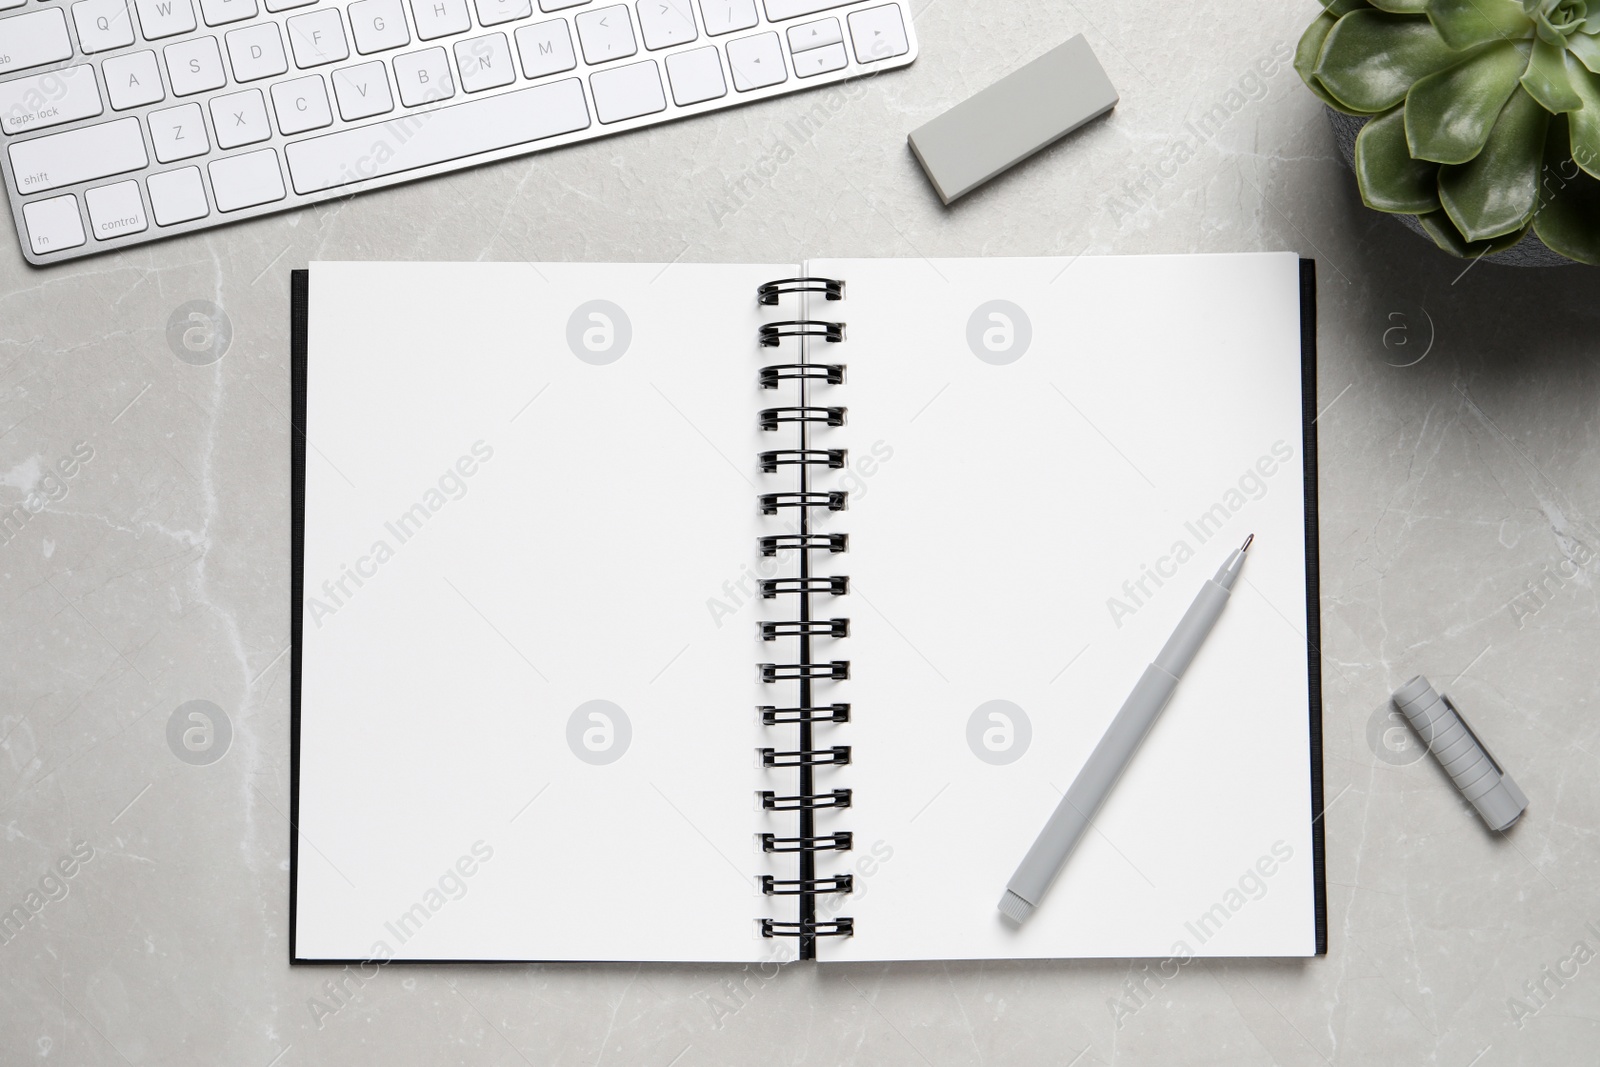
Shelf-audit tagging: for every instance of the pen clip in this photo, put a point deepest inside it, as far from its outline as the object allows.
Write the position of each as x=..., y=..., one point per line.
x=1501, y=771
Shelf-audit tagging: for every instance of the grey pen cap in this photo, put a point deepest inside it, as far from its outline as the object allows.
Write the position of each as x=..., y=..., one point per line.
x=1475, y=771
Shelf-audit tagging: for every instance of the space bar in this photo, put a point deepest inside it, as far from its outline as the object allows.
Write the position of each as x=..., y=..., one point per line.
x=428, y=137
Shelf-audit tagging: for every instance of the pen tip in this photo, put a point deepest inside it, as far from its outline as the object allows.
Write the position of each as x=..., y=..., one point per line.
x=1246, y=546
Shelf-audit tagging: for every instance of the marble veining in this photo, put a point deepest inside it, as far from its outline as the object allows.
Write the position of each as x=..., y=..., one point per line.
x=1460, y=471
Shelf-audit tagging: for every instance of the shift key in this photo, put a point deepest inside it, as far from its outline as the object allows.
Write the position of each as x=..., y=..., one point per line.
x=80, y=155
x=35, y=38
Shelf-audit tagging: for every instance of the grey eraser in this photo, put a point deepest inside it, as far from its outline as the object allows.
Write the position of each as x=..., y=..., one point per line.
x=1027, y=110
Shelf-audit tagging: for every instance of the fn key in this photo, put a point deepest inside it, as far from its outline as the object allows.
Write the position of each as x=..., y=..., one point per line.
x=54, y=224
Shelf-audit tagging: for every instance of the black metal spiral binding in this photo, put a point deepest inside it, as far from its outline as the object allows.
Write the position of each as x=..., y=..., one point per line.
x=842, y=841
x=832, y=373
x=802, y=416
x=808, y=928
x=773, y=333
x=837, y=584
x=771, y=716
x=793, y=457
x=833, y=500
x=791, y=887
x=833, y=542
x=836, y=671
x=829, y=288
x=837, y=756
x=838, y=798
x=771, y=631
x=772, y=418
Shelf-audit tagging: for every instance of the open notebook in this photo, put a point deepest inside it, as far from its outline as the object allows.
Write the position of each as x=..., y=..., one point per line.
x=537, y=507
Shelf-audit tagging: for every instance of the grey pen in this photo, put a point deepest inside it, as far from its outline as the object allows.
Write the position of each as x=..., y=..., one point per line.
x=1122, y=739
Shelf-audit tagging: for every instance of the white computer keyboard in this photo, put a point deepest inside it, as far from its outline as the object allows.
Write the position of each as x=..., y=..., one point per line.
x=124, y=121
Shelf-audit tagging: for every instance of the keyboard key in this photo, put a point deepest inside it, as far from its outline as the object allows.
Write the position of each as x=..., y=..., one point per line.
x=378, y=25
x=756, y=62
x=222, y=12
x=814, y=61
x=80, y=155
x=440, y=18
x=66, y=159
x=456, y=132
x=245, y=181
x=115, y=210
x=559, y=5
x=878, y=34
x=195, y=66
x=494, y=12
x=727, y=16
x=606, y=34
x=363, y=91
x=317, y=37
x=133, y=80
x=29, y=40
x=627, y=92
x=302, y=104
x=164, y=18
x=256, y=52
x=485, y=62
x=43, y=100
x=240, y=118
x=102, y=25
x=177, y=196
x=666, y=22
x=423, y=77
x=287, y=5
x=778, y=10
x=178, y=133
x=696, y=76
x=6, y=5
x=546, y=48
x=814, y=34
x=53, y=224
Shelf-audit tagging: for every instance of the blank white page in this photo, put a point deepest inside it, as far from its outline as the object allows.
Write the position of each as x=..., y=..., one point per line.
x=1122, y=420
x=552, y=529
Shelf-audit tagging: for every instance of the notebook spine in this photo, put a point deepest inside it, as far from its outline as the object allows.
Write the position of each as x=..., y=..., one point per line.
x=804, y=755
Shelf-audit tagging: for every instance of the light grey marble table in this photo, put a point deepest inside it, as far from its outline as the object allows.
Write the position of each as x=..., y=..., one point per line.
x=1460, y=467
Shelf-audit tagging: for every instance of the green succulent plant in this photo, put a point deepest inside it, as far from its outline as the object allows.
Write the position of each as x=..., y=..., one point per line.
x=1484, y=115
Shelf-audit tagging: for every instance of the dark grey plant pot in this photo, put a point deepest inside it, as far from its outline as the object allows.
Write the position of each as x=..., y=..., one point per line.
x=1528, y=252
